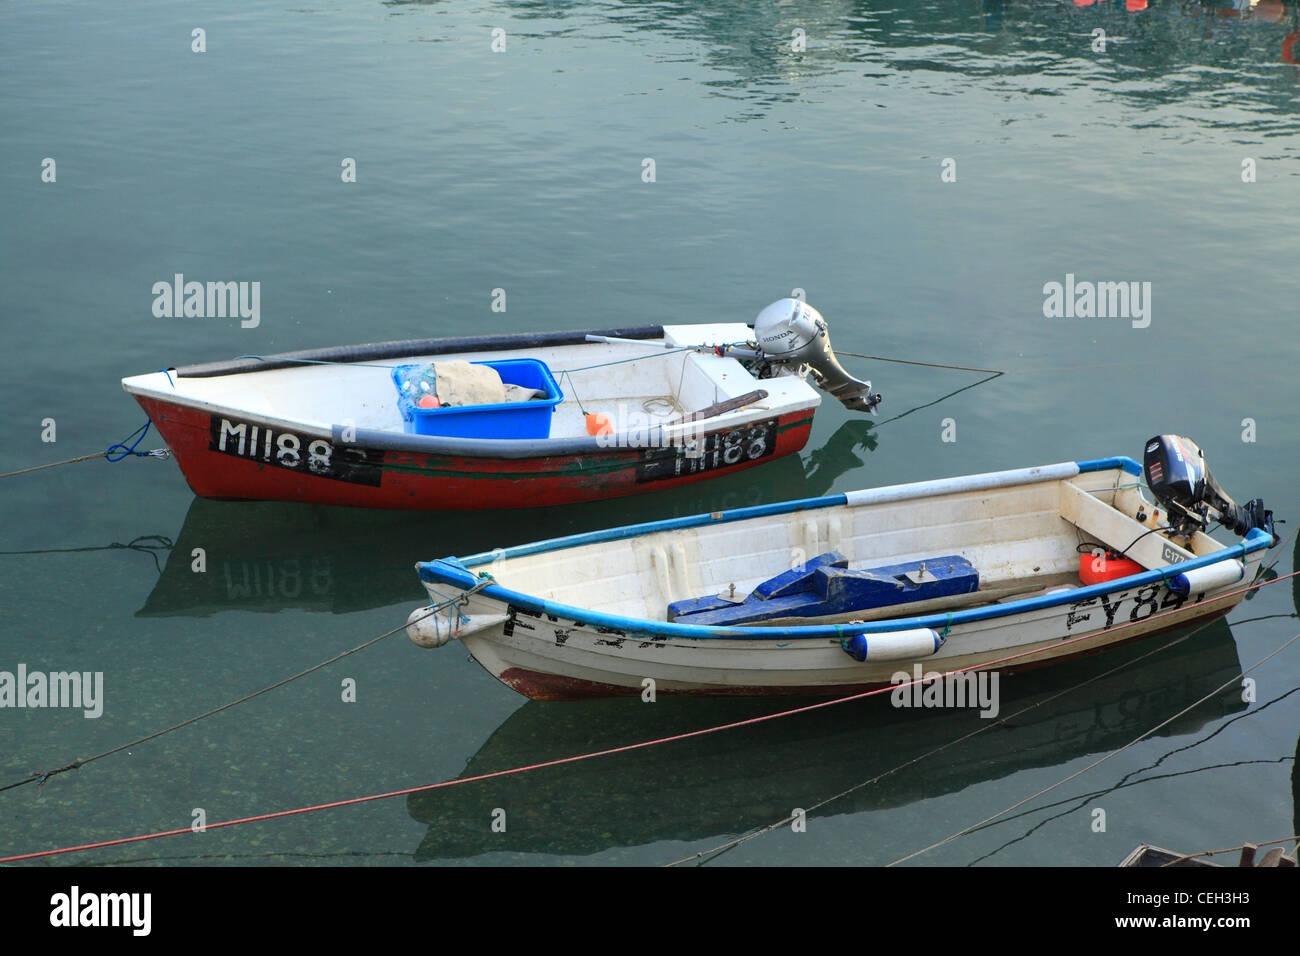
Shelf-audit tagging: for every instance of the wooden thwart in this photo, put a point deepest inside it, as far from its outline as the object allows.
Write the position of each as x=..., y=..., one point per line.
x=721, y=408
x=1117, y=530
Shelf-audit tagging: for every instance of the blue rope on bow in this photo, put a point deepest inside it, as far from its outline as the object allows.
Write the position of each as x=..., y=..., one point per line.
x=128, y=450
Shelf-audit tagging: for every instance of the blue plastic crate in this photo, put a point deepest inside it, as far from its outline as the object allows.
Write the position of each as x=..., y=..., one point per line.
x=531, y=419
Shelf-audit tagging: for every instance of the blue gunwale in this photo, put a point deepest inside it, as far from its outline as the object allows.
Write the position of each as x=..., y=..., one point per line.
x=456, y=572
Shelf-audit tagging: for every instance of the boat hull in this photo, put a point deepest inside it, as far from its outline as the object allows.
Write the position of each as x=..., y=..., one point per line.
x=563, y=660
x=252, y=464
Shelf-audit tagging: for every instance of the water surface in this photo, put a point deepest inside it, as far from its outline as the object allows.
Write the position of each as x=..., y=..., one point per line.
x=522, y=170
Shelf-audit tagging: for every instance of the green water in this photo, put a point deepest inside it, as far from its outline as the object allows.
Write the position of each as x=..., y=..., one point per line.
x=522, y=170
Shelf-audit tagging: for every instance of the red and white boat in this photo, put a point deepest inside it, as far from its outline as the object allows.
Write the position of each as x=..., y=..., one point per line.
x=682, y=403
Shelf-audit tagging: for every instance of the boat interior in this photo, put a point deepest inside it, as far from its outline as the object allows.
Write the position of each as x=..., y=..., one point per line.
x=635, y=385
x=1023, y=540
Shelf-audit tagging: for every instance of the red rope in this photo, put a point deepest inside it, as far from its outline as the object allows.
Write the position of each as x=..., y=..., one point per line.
x=889, y=688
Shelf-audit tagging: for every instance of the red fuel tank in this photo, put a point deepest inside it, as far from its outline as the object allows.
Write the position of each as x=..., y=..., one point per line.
x=1093, y=569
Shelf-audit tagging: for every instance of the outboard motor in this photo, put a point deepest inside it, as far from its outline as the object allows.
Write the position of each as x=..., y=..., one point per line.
x=1176, y=472
x=791, y=332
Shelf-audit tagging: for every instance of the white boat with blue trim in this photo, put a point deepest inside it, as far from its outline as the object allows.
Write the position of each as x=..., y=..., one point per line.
x=829, y=595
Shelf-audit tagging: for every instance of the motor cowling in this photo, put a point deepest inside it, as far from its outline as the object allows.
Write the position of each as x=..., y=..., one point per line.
x=1177, y=475
x=791, y=332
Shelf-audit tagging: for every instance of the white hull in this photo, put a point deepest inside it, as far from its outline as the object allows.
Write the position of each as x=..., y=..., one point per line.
x=1018, y=528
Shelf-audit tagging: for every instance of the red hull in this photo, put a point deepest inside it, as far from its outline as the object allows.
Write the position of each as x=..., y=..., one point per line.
x=423, y=482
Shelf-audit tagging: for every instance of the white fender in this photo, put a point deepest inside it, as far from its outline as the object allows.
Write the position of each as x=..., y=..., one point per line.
x=894, y=645
x=1209, y=578
x=430, y=630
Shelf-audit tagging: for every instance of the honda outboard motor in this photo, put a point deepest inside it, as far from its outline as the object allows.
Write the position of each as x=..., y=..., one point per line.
x=1176, y=472
x=791, y=332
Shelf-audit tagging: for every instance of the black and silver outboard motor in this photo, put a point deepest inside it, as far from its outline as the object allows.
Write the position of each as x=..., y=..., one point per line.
x=1176, y=473
x=791, y=332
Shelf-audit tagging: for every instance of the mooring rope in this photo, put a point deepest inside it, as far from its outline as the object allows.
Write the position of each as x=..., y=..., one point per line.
x=161, y=543
x=626, y=748
x=958, y=368
x=53, y=464
x=440, y=785
x=704, y=856
x=42, y=776
x=1128, y=779
x=1132, y=743
x=126, y=452
x=943, y=398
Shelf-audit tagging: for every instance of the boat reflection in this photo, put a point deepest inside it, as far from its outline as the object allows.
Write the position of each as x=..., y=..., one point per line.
x=270, y=556
x=1015, y=41
x=720, y=784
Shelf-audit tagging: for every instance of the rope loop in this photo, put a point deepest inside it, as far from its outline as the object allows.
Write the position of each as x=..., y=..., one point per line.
x=128, y=450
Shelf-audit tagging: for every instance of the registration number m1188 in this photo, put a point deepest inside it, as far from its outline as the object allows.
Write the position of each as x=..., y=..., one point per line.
x=286, y=449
